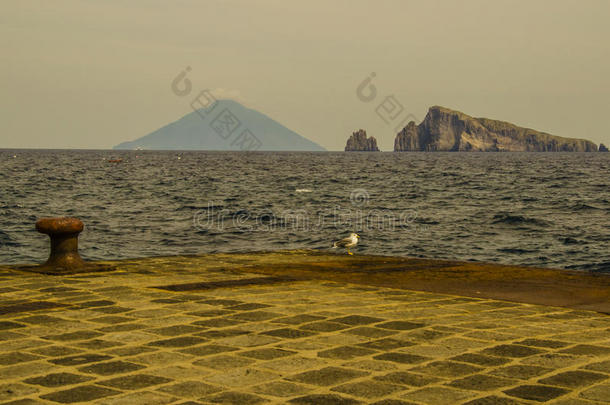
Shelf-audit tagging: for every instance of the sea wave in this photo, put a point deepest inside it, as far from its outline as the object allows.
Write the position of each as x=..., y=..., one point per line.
x=513, y=219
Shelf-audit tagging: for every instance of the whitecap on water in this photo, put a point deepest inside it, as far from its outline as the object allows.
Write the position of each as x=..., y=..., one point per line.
x=303, y=190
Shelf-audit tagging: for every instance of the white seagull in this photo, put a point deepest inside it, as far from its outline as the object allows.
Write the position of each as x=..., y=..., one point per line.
x=350, y=241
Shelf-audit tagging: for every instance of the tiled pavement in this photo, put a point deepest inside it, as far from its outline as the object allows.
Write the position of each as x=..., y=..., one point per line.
x=113, y=339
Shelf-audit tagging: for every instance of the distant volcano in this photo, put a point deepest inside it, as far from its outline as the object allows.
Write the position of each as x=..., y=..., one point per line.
x=225, y=125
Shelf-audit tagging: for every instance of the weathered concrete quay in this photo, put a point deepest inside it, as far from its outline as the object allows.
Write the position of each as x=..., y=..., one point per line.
x=304, y=327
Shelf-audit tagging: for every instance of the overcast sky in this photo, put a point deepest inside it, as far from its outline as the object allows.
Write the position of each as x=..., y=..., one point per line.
x=94, y=73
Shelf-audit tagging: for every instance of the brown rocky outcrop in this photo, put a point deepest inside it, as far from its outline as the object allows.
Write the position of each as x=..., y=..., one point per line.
x=444, y=129
x=359, y=142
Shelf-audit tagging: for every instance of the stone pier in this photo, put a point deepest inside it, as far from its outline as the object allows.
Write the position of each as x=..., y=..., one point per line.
x=302, y=327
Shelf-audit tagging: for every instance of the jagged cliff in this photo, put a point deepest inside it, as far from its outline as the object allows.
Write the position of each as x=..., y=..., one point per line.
x=358, y=142
x=448, y=130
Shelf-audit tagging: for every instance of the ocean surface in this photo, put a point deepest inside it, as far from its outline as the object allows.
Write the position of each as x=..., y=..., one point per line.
x=549, y=210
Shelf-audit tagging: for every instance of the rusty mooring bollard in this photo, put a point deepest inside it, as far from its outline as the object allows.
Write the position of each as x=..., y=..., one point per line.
x=64, y=242
x=64, y=258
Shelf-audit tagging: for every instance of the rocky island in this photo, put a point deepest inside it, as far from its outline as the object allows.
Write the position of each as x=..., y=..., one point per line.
x=359, y=142
x=444, y=129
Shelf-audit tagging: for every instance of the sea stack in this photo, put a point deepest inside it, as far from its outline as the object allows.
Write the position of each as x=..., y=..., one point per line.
x=602, y=148
x=444, y=129
x=359, y=142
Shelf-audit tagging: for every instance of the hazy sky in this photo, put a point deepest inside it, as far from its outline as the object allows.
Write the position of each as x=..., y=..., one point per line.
x=93, y=73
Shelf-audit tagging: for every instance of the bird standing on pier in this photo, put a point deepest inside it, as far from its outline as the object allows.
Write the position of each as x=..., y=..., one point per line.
x=350, y=241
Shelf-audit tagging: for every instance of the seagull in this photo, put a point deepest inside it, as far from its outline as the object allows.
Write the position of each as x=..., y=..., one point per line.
x=350, y=241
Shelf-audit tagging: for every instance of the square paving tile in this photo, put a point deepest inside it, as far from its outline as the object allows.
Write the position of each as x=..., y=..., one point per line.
x=217, y=323
x=372, y=365
x=4, y=325
x=511, y=351
x=221, y=302
x=400, y=325
x=111, y=320
x=249, y=306
x=223, y=362
x=211, y=313
x=407, y=378
x=134, y=382
x=553, y=360
x=97, y=344
x=544, y=343
x=328, y=376
x=175, y=330
x=256, y=316
x=80, y=359
x=369, y=332
x=437, y=395
x=324, y=399
x=140, y=398
x=56, y=351
x=241, y=377
x=80, y=335
x=481, y=360
x=345, y=352
x=447, y=369
x=494, y=400
x=522, y=372
x=393, y=402
x=323, y=326
x=587, y=350
x=207, y=350
x=223, y=333
x=292, y=364
x=368, y=389
x=84, y=393
x=58, y=379
x=288, y=333
x=123, y=327
x=574, y=379
x=267, y=353
x=249, y=340
x=598, y=393
x=539, y=393
x=386, y=344
x=190, y=389
x=603, y=366
x=12, y=391
x=357, y=320
x=110, y=368
x=403, y=358
x=232, y=397
x=16, y=357
x=481, y=382
x=282, y=389
x=161, y=358
x=183, y=341
x=424, y=335
x=298, y=319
